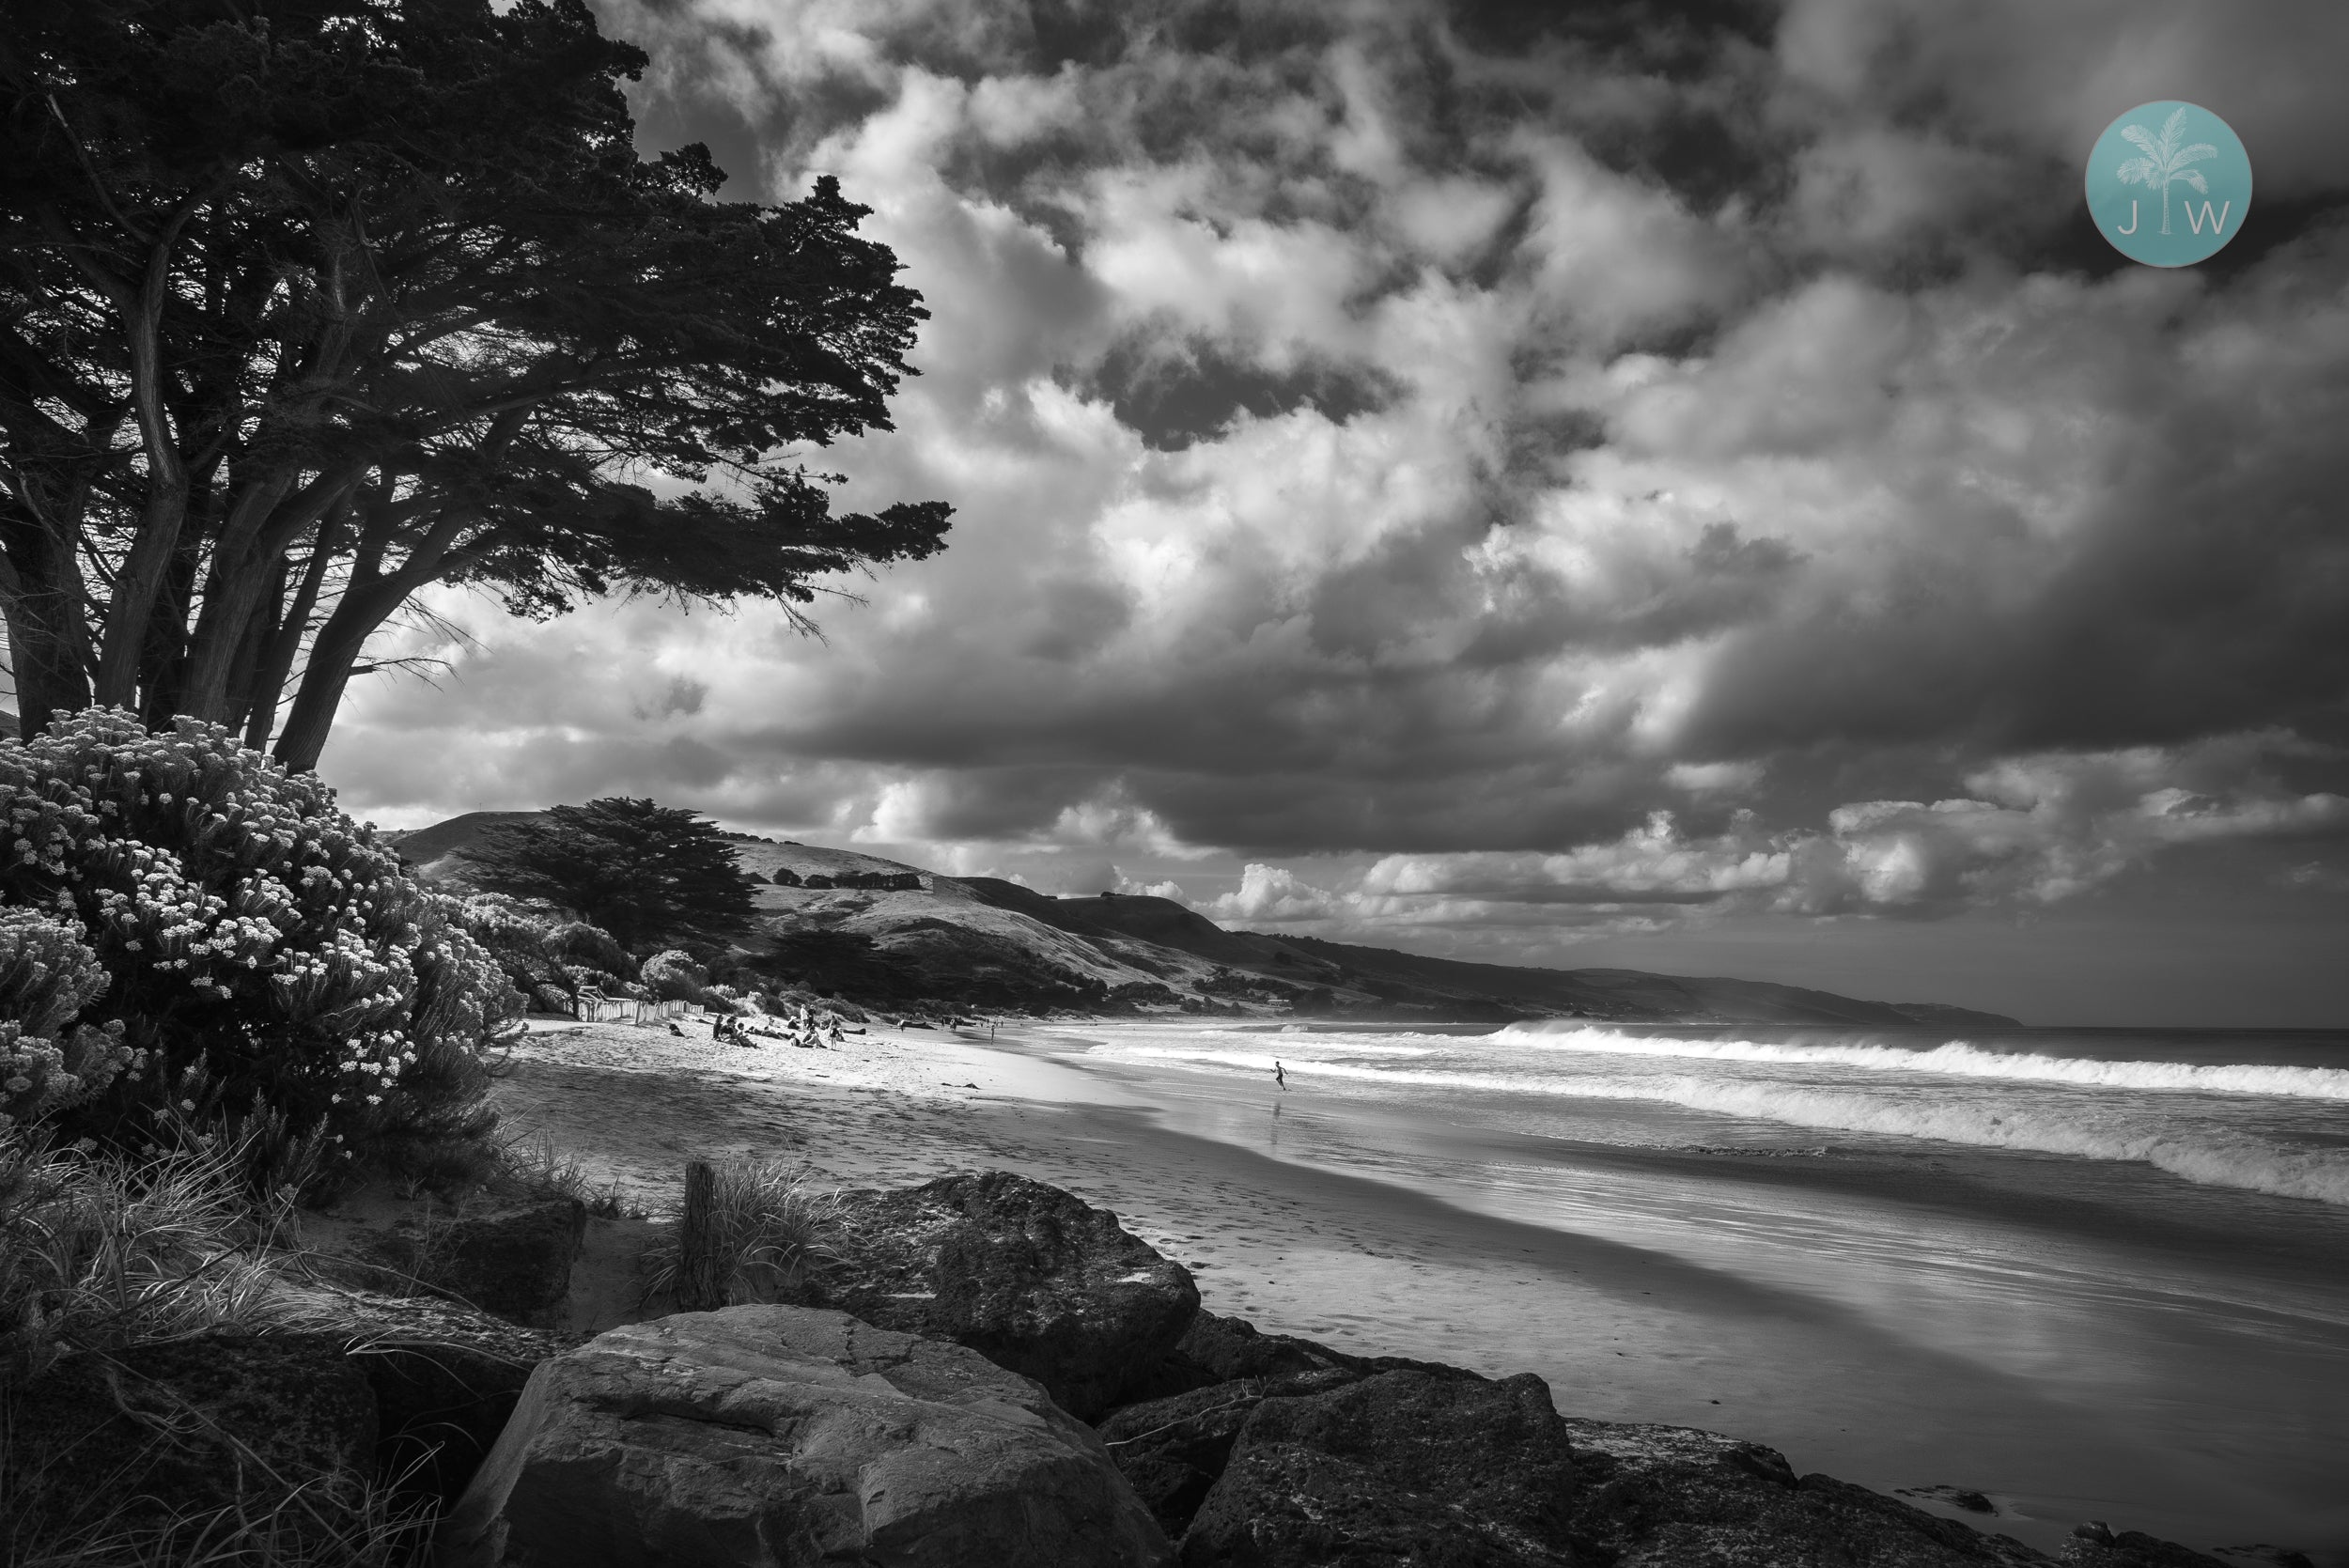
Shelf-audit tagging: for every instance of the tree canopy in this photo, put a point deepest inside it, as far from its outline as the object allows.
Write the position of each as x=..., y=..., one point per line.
x=308, y=304
x=646, y=873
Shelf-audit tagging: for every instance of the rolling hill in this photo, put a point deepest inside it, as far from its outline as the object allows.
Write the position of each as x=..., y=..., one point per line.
x=979, y=941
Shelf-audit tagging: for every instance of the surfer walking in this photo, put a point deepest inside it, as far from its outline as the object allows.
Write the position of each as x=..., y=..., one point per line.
x=1279, y=1077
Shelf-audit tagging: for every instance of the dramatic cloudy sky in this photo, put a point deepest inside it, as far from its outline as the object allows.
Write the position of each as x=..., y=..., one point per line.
x=1679, y=486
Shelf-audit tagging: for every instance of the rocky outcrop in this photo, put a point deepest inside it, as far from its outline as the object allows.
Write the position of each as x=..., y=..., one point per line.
x=1403, y=1467
x=1031, y=1276
x=2095, y=1545
x=1278, y=1453
x=1666, y=1497
x=185, y=1427
x=784, y=1437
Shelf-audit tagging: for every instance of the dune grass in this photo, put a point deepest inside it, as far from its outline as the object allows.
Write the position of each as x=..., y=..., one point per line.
x=103, y=1250
x=323, y=1519
x=766, y=1222
x=540, y=1167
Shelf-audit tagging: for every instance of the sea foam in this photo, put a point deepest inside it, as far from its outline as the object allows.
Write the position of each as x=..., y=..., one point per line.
x=1957, y=1059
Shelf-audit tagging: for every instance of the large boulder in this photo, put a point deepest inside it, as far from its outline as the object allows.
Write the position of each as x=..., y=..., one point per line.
x=1216, y=1350
x=784, y=1436
x=1031, y=1276
x=514, y=1259
x=1172, y=1451
x=1669, y=1496
x=140, y=1436
x=1402, y=1468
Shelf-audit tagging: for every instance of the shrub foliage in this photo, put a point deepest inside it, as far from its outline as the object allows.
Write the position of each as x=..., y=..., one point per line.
x=182, y=911
x=673, y=976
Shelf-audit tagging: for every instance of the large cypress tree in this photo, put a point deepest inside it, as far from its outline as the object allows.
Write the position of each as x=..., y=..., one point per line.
x=651, y=875
x=306, y=305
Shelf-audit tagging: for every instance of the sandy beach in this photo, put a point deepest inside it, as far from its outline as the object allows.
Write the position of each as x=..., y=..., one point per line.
x=1767, y=1297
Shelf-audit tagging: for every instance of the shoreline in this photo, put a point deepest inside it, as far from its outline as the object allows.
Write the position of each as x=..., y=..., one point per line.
x=1623, y=1330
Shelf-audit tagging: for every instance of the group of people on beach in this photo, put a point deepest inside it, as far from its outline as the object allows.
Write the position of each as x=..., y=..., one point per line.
x=802, y=1027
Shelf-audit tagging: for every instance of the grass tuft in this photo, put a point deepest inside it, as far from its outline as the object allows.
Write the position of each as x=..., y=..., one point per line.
x=329, y=1519
x=536, y=1164
x=766, y=1221
x=102, y=1250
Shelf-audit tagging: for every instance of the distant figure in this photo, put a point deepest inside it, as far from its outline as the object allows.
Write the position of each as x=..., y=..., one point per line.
x=674, y=1030
x=1279, y=1077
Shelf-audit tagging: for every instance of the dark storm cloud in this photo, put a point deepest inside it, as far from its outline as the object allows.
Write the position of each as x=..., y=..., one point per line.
x=1571, y=467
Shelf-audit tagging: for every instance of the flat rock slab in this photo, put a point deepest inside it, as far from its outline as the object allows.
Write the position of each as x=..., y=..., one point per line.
x=778, y=1437
x=1032, y=1278
x=1673, y=1496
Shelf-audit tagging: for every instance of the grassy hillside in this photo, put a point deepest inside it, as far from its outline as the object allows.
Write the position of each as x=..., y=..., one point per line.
x=979, y=941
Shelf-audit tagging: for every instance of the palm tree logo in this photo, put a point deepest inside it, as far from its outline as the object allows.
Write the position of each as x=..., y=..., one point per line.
x=2165, y=160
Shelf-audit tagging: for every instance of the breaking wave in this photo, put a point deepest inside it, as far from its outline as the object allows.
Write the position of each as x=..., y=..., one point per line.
x=2197, y=1149
x=1957, y=1060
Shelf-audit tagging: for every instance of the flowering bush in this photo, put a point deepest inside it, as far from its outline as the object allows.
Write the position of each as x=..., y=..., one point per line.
x=249, y=930
x=48, y=1060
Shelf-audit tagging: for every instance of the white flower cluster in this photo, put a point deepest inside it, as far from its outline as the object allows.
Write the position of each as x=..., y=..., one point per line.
x=39, y=1076
x=193, y=863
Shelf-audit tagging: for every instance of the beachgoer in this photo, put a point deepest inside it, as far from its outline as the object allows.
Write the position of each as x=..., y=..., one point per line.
x=1279, y=1077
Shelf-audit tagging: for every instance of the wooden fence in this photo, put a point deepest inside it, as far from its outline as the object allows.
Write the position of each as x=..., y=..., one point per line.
x=592, y=1008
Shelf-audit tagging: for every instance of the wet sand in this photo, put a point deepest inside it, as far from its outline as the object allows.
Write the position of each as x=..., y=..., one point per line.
x=1675, y=1288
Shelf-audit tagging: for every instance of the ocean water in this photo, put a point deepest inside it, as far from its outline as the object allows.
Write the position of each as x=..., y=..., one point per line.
x=2096, y=1273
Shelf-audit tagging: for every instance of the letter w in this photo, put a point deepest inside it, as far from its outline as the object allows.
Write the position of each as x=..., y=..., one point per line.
x=2194, y=221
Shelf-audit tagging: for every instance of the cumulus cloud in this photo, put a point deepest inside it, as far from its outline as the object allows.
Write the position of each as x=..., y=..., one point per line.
x=2036, y=831
x=1273, y=895
x=1593, y=472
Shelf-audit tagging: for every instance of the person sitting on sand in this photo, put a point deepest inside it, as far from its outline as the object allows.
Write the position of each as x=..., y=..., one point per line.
x=674, y=1030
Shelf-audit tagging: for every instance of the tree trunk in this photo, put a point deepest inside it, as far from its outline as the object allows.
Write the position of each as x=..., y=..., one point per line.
x=163, y=655
x=143, y=570
x=269, y=681
x=249, y=558
x=232, y=592
x=366, y=606
x=41, y=596
x=260, y=636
